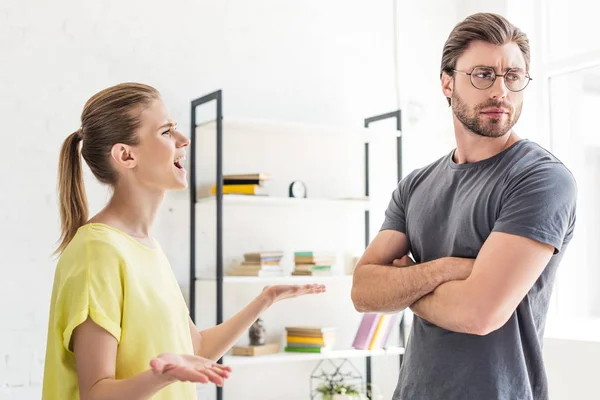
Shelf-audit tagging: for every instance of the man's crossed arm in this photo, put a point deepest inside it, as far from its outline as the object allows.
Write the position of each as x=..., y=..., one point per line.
x=462, y=295
x=505, y=269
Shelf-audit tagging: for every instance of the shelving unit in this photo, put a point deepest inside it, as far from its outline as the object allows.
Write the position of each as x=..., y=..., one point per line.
x=334, y=354
x=287, y=279
x=285, y=201
x=220, y=201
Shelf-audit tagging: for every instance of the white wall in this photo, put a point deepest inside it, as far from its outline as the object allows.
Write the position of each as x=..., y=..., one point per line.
x=327, y=62
x=572, y=368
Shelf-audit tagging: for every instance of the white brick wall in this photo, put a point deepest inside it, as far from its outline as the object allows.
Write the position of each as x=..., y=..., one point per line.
x=328, y=62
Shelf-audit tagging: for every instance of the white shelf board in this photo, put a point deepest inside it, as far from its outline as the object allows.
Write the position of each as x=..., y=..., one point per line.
x=241, y=199
x=264, y=126
x=291, y=280
x=290, y=357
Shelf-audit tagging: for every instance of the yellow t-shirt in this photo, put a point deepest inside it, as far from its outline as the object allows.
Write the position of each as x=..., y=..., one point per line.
x=128, y=289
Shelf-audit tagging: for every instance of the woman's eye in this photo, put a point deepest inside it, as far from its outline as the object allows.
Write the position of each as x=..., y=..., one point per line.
x=167, y=132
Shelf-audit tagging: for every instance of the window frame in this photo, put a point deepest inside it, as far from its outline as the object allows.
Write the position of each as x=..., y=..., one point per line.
x=560, y=323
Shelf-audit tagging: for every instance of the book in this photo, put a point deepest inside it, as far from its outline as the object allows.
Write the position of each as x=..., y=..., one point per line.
x=291, y=349
x=386, y=337
x=307, y=340
x=250, y=351
x=263, y=256
x=240, y=189
x=310, y=331
x=378, y=335
x=313, y=273
x=311, y=267
x=366, y=330
x=260, y=273
x=310, y=337
x=258, y=266
x=246, y=177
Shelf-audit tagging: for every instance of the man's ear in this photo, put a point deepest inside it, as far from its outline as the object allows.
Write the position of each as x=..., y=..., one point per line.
x=447, y=85
x=123, y=155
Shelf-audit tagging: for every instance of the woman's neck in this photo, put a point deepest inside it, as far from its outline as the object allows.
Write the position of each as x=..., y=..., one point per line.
x=132, y=210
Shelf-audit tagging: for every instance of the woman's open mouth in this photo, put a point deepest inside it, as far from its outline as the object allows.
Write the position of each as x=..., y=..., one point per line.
x=178, y=161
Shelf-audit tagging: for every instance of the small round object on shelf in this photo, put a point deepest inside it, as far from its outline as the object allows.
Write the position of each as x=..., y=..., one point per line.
x=297, y=189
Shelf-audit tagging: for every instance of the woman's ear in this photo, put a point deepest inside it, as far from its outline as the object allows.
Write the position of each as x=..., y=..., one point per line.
x=123, y=155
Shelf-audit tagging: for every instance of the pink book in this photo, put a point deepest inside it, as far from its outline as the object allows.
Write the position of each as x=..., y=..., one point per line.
x=365, y=331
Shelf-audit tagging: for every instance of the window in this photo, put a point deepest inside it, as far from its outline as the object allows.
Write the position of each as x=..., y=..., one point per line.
x=571, y=75
x=570, y=28
x=574, y=100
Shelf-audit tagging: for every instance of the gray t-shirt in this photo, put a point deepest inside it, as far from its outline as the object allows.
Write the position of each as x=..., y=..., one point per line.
x=448, y=209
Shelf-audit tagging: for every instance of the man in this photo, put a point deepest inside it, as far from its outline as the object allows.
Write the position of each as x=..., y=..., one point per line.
x=486, y=224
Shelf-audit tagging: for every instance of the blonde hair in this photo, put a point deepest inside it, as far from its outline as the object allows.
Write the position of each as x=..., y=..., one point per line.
x=486, y=27
x=109, y=117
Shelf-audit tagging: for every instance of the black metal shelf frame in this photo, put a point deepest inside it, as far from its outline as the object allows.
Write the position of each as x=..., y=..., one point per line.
x=217, y=97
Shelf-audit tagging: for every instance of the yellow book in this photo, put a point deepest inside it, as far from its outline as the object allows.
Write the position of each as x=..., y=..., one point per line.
x=239, y=189
x=379, y=331
x=306, y=340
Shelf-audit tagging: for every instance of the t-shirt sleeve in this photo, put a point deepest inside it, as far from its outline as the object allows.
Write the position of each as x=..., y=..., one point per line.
x=395, y=215
x=94, y=289
x=540, y=205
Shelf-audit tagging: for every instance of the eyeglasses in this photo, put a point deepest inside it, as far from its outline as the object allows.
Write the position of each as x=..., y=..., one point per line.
x=484, y=77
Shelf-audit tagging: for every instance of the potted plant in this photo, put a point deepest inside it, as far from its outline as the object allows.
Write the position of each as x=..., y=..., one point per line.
x=338, y=391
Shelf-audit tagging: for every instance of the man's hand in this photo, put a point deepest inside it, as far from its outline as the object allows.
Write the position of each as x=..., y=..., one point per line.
x=189, y=368
x=464, y=266
x=405, y=261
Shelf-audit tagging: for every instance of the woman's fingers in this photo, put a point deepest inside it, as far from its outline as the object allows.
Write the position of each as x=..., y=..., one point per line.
x=190, y=368
x=313, y=288
x=212, y=376
x=187, y=374
x=157, y=365
x=222, y=367
x=223, y=372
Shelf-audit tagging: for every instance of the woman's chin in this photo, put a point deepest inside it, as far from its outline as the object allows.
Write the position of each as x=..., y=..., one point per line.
x=180, y=185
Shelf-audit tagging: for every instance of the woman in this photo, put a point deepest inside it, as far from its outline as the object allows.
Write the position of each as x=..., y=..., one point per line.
x=119, y=327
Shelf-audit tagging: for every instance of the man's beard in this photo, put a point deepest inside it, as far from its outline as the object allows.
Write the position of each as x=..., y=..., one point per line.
x=473, y=121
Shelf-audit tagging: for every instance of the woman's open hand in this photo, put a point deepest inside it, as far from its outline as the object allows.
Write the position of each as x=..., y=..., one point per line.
x=281, y=292
x=190, y=368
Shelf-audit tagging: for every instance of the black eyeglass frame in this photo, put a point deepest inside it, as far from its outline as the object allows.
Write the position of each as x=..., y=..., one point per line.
x=470, y=74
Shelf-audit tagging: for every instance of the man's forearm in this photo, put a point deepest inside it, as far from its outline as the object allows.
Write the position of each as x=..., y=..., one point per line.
x=452, y=306
x=379, y=288
x=217, y=340
x=445, y=307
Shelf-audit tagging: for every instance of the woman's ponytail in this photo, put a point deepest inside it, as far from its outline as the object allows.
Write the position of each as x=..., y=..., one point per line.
x=71, y=190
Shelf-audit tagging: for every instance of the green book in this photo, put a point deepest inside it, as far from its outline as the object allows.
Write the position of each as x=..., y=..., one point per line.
x=303, y=254
x=303, y=349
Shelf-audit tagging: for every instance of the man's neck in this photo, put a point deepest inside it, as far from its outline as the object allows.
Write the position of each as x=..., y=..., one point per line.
x=471, y=147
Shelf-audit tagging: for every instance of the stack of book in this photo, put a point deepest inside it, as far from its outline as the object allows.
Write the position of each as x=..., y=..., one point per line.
x=302, y=339
x=374, y=331
x=249, y=184
x=312, y=263
x=263, y=264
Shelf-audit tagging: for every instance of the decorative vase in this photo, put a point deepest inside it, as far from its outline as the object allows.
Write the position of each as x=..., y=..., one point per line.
x=257, y=333
x=343, y=397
